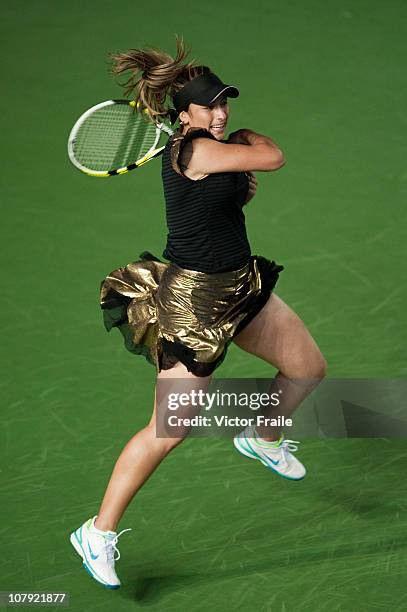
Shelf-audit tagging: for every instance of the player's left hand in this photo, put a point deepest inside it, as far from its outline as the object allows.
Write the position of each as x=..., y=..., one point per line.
x=252, y=186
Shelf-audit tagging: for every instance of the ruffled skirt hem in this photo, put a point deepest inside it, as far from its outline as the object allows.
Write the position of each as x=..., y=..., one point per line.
x=169, y=314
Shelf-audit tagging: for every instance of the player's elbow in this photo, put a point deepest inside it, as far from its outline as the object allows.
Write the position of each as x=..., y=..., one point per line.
x=276, y=159
x=270, y=158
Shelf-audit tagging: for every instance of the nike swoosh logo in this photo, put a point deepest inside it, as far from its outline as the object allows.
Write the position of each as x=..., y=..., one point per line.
x=91, y=553
x=267, y=457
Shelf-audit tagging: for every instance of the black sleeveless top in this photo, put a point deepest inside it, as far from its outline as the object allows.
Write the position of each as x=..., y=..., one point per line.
x=206, y=224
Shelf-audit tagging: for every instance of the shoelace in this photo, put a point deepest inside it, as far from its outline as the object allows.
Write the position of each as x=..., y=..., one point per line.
x=111, y=548
x=288, y=446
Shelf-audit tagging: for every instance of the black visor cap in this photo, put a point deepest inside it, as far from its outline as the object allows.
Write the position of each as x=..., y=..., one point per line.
x=204, y=90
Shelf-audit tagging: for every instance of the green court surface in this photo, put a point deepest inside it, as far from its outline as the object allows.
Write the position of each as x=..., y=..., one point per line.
x=211, y=529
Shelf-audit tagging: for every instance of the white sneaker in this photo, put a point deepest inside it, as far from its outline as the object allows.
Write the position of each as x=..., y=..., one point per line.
x=97, y=549
x=278, y=459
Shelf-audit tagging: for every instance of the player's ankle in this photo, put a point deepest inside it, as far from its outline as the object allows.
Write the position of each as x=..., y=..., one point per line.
x=103, y=525
x=277, y=437
x=273, y=441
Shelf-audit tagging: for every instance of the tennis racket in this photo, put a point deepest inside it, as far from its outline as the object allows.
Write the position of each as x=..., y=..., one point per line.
x=112, y=138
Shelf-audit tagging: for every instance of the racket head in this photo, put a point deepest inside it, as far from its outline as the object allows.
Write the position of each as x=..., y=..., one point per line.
x=114, y=137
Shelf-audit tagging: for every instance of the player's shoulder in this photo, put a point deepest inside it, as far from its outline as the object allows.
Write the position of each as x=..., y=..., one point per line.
x=193, y=134
x=189, y=148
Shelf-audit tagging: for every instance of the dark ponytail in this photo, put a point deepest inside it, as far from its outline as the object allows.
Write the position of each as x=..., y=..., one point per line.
x=155, y=76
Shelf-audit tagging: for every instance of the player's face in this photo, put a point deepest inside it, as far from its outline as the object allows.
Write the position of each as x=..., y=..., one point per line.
x=213, y=118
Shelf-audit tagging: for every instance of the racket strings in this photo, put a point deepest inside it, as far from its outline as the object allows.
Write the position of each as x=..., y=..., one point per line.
x=114, y=137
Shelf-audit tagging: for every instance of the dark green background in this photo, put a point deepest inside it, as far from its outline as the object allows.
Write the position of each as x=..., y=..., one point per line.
x=326, y=80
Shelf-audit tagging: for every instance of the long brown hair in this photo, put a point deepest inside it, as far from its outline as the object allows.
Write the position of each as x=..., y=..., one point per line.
x=155, y=75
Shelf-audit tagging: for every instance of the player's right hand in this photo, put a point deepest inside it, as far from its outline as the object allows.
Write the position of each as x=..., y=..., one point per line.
x=237, y=137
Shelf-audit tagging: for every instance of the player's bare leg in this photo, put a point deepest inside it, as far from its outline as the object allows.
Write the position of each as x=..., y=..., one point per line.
x=143, y=452
x=95, y=541
x=277, y=335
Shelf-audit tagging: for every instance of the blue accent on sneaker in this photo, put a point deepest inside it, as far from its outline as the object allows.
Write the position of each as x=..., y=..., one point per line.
x=287, y=477
x=79, y=541
x=88, y=567
x=258, y=456
x=91, y=553
x=248, y=450
x=108, y=586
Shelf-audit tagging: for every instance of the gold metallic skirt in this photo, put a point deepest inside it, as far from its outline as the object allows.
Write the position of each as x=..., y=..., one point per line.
x=170, y=314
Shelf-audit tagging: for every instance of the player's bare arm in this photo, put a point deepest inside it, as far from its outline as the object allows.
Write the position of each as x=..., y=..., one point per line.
x=246, y=151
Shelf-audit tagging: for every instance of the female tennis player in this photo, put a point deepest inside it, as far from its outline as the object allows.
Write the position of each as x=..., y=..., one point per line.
x=182, y=315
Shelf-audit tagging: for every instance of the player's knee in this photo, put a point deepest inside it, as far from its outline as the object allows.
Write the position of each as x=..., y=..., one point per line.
x=324, y=367
x=310, y=365
x=316, y=367
x=319, y=366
